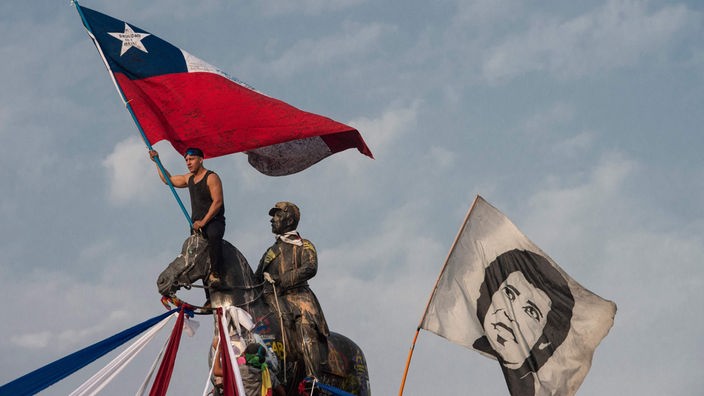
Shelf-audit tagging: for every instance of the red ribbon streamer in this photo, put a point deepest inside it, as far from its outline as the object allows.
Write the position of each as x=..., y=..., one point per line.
x=228, y=379
x=163, y=377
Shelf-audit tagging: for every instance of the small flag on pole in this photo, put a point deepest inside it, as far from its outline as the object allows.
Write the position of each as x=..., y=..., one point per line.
x=177, y=97
x=499, y=294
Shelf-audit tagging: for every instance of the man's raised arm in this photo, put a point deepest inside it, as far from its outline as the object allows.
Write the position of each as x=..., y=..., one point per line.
x=179, y=181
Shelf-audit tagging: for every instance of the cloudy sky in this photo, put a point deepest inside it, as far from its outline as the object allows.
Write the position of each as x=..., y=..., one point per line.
x=581, y=121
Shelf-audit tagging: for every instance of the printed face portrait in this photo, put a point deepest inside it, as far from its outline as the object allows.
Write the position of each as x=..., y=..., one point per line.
x=525, y=308
x=517, y=319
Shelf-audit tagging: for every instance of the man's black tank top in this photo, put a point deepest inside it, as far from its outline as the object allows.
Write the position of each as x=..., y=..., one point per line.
x=201, y=198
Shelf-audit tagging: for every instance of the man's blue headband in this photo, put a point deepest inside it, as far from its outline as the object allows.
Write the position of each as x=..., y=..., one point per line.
x=194, y=151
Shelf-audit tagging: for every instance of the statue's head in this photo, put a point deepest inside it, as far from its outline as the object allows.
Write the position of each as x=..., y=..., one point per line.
x=284, y=217
x=192, y=264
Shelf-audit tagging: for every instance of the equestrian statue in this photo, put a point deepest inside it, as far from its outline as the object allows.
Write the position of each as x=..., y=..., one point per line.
x=343, y=368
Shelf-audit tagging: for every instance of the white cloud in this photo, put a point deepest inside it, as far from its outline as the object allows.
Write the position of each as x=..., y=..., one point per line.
x=569, y=210
x=354, y=41
x=307, y=7
x=132, y=176
x=572, y=217
x=575, y=144
x=97, y=250
x=179, y=11
x=381, y=132
x=78, y=307
x=383, y=279
x=441, y=158
x=47, y=292
x=487, y=12
x=540, y=123
x=5, y=115
x=32, y=340
x=554, y=128
x=44, y=339
x=397, y=244
x=618, y=34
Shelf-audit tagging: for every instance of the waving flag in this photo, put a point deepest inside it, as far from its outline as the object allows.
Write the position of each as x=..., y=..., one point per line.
x=502, y=296
x=177, y=97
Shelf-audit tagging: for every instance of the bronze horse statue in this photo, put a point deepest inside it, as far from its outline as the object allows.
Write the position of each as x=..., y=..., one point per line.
x=347, y=367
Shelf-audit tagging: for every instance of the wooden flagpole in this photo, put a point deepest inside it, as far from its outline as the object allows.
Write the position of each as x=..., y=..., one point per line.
x=432, y=294
x=408, y=362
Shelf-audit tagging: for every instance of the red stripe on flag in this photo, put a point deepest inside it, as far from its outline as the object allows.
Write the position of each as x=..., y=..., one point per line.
x=209, y=111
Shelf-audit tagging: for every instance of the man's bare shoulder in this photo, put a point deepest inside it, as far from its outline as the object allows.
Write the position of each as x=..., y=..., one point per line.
x=213, y=178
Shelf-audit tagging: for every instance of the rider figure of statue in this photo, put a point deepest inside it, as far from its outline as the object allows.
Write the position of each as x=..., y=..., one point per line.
x=286, y=266
x=207, y=209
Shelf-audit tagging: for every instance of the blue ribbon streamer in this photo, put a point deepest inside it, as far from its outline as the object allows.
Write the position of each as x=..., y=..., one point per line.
x=329, y=388
x=42, y=378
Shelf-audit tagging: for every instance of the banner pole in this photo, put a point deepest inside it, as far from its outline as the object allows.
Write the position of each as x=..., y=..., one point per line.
x=432, y=294
x=129, y=108
x=452, y=248
x=408, y=362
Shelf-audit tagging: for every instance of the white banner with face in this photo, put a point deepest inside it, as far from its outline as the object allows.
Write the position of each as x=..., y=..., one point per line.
x=501, y=295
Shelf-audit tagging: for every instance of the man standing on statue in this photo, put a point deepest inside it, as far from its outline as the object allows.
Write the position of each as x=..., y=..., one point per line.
x=287, y=266
x=207, y=209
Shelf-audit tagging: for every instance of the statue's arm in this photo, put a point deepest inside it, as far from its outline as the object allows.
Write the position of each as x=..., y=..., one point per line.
x=267, y=257
x=258, y=274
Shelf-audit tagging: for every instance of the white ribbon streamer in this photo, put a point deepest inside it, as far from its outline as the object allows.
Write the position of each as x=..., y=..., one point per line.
x=212, y=367
x=103, y=377
x=233, y=358
x=143, y=388
x=190, y=327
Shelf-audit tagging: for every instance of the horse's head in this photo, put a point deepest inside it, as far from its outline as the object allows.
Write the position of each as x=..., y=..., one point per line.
x=192, y=264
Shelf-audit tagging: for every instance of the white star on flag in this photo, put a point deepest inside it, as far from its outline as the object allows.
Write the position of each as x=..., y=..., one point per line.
x=130, y=39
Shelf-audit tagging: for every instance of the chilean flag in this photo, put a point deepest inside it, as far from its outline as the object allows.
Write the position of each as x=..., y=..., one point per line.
x=177, y=97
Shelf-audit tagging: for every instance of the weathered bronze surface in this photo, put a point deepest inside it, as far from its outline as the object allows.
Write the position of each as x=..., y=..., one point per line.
x=346, y=368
